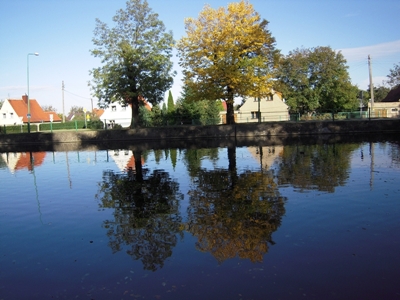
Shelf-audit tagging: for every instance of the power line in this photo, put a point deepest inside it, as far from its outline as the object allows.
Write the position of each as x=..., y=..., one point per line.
x=76, y=95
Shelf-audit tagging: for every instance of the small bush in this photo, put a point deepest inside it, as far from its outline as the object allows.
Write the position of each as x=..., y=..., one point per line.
x=96, y=124
x=117, y=127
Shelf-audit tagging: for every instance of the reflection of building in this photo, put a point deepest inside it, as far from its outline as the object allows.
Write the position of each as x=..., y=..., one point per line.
x=124, y=159
x=266, y=156
x=23, y=160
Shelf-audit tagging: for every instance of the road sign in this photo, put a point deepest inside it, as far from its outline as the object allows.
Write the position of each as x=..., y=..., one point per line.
x=28, y=115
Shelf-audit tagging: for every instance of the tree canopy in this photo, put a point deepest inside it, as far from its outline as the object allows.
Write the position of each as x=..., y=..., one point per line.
x=394, y=76
x=136, y=58
x=226, y=53
x=171, y=104
x=316, y=79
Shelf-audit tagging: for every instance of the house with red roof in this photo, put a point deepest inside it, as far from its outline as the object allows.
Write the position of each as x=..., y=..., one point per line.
x=15, y=112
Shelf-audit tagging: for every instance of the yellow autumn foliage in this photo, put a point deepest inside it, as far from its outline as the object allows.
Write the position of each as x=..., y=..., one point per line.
x=227, y=52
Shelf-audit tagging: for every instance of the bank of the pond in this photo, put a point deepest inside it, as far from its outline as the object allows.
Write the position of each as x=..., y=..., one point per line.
x=270, y=130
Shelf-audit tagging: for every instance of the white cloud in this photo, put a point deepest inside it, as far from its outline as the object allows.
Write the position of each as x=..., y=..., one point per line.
x=375, y=51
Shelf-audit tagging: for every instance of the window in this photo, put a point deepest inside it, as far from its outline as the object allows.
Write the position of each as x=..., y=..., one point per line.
x=113, y=108
x=270, y=97
x=254, y=114
x=4, y=116
x=11, y=115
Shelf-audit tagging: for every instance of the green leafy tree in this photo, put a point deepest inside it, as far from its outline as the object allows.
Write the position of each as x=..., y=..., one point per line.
x=363, y=97
x=145, y=117
x=316, y=79
x=227, y=53
x=171, y=104
x=380, y=92
x=394, y=76
x=136, y=56
x=201, y=112
x=1, y=103
x=77, y=112
x=157, y=116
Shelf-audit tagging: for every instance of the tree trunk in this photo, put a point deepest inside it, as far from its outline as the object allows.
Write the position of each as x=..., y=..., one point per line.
x=230, y=115
x=135, y=112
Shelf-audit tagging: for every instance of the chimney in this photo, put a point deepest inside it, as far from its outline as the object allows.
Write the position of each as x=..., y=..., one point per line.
x=25, y=99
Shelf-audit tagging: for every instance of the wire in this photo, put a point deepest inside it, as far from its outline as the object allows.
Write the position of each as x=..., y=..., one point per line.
x=76, y=95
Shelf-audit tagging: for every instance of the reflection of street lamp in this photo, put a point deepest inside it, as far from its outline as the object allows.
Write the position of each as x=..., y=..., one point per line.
x=27, y=75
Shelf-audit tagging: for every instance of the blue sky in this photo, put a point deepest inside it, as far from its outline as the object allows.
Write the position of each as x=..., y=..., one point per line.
x=61, y=31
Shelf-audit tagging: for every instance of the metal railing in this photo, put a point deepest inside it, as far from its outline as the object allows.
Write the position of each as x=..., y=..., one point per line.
x=186, y=120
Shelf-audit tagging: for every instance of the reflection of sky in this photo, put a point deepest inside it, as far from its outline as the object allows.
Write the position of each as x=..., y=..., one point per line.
x=54, y=239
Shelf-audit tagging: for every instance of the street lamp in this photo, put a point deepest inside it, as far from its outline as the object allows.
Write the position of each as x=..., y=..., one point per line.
x=27, y=75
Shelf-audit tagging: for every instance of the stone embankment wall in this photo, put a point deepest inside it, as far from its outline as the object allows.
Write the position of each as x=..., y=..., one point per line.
x=86, y=138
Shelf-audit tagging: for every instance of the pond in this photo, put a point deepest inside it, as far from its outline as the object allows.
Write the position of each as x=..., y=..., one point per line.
x=297, y=220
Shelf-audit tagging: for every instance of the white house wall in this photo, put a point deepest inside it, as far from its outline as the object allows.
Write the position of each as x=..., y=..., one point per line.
x=120, y=115
x=271, y=110
x=8, y=116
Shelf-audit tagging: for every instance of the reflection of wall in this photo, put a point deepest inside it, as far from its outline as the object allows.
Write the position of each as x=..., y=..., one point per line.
x=22, y=160
x=267, y=156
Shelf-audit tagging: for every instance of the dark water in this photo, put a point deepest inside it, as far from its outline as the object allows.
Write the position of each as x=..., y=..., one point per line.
x=316, y=221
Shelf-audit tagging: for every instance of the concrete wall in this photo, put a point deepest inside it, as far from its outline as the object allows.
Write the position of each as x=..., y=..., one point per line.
x=164, y=135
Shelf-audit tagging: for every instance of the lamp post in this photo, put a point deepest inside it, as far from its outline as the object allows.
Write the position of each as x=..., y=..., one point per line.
x=27, y=75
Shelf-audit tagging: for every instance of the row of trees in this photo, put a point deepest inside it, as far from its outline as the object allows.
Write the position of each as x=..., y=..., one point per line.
x=227, y=53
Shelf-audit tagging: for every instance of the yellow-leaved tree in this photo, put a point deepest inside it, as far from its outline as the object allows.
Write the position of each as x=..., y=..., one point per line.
x=227, y=53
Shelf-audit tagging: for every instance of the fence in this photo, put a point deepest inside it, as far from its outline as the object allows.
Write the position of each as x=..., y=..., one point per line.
x=186, y=120
x=346, y=115
x=255, y=116
x=36, y=127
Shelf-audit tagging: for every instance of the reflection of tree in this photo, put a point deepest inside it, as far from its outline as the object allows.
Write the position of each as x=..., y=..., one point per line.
x=234, y=215
x=3, y=164
x=193, y=157
x=395, y=154
x=146, y=215
x=321, y=167
x=173, y=155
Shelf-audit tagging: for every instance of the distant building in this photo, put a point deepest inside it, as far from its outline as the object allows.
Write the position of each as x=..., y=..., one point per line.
x=117, y=113
x=389, y=107
x=15, y=112
x=270, y=108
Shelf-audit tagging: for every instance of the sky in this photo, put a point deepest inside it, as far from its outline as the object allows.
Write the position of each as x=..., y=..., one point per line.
x=61, y=31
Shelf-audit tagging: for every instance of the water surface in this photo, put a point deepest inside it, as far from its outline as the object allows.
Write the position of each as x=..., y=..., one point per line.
x=317, y=221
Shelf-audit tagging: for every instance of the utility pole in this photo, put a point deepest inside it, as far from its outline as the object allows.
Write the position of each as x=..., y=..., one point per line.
x=371, y=85
x=63, y=101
